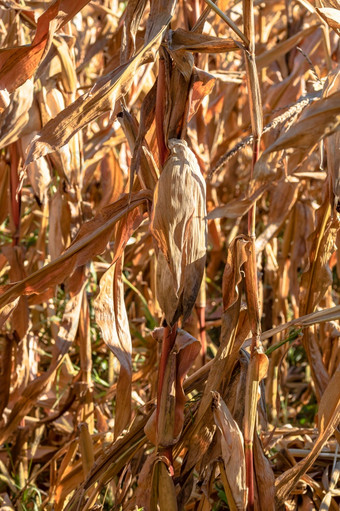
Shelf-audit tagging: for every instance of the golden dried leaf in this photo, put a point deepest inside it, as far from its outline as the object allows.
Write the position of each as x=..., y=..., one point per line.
x=16, y=116
x=180, y=39
x=88, y=107
x=319, y=120
x=232, y=451
x=19, y=64
x=90, y=241
x=66, y=334
x=329, y=417
x=111, y=317
x=331, y=16
x=163, y=489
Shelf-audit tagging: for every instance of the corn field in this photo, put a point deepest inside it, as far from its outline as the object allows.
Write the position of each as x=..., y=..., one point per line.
x=169, y=255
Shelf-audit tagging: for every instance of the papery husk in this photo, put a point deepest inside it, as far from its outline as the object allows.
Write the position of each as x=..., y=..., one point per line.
x=232, y=451
x=178, y=223
x=163, y=489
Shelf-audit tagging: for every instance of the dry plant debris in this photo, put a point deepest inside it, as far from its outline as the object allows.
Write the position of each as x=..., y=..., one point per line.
x=169, y=255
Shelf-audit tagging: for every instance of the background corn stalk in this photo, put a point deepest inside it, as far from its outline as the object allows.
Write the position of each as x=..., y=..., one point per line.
x=169, y=310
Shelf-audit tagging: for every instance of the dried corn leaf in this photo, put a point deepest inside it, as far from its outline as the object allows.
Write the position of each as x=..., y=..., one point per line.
x=88, y=107
x=180, y=39
x=232, y=276
x=237, y=207
x=90, y=241
x=283, y=47
x=331, y=17
x=329, y=418
x=133, y=13
x=224, y=360
x=34, y=389
x=319, y=120
x=202, y=85
x=178, y=223
x=232, y=451
x=111, y=317
x=7, y=310
x=38, y=172
x=18, y=113
x=265, y=479
x=19, y=64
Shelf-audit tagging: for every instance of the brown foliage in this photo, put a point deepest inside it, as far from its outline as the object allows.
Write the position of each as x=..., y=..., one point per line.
x=169, y=255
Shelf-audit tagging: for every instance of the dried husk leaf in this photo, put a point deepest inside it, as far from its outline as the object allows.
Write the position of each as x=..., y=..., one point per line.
x=163, y=489
x=178, y=223
x=265, y=479
x=112, y=319
x=232, y=451
x=144, y=488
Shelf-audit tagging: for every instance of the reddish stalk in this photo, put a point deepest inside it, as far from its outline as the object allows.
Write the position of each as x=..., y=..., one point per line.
x=163, y=151
x=200, y=310
x=169, y=338
x=15, y=196
x=203, y=338
x=255, y=106
x=250, y=476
